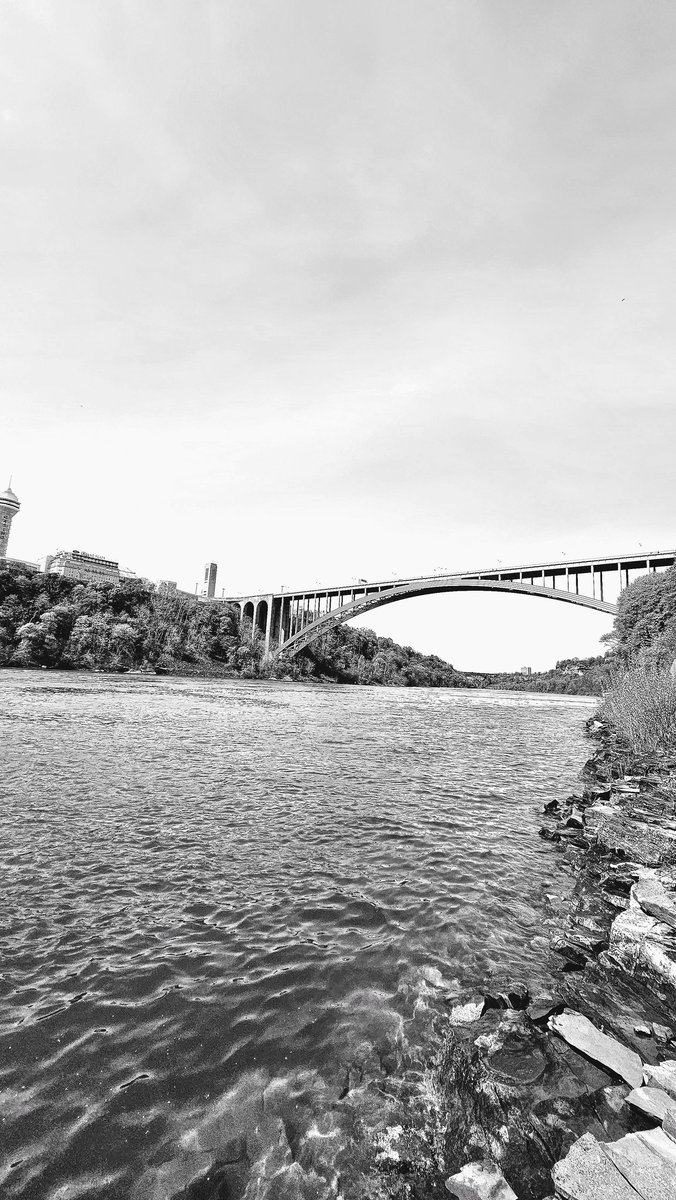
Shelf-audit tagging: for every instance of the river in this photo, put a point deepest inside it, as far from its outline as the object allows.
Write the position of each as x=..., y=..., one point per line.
x=227, y=906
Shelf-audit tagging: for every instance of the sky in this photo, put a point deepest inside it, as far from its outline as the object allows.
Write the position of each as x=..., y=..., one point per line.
x=333, y=289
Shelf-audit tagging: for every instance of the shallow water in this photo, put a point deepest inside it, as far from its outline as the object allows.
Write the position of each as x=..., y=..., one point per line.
x=221, y=899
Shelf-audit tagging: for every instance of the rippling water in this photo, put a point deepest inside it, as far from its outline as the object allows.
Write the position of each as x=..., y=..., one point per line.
x=224, y=903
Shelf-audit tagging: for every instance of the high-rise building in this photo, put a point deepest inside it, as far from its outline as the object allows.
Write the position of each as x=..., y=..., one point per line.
x=9, y=507
x=209, y=589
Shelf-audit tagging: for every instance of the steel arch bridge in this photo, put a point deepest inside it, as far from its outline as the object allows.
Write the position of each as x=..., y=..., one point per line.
x=291, y=620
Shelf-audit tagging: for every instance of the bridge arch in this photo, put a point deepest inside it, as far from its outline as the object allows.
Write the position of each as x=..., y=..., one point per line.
x=364, y=603
x=247, y=611
x=261, y=618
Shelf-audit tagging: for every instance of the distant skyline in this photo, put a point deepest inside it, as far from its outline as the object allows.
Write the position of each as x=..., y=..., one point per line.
x=320, y=291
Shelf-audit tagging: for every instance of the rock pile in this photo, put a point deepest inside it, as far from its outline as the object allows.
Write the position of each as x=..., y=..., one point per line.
x=574, y=1095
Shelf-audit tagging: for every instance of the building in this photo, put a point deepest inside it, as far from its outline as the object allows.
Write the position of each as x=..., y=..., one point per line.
x=19, y=566
x=209, y=588
x=87, y=568
x=169, y=587
x=9, y=507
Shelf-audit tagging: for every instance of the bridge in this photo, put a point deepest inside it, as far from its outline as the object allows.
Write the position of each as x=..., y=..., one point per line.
x=289, y=621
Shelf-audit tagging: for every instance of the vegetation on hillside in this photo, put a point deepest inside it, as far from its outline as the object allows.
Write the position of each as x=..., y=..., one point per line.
x=570, y=676
x=46, y=620
x=641, y=699
x=360, y=656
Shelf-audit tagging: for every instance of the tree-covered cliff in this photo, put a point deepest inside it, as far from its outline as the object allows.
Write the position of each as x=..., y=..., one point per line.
x=46, y=620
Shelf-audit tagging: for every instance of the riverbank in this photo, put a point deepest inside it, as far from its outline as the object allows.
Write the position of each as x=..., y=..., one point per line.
x=574, y=1093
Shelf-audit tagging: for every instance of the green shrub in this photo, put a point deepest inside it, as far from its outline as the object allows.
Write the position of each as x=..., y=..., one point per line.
x=641, y=705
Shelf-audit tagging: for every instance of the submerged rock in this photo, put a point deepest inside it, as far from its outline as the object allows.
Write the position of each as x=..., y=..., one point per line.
x=466, y=1014
x=480, y=1181
x=579, y=1032
x=506, y=994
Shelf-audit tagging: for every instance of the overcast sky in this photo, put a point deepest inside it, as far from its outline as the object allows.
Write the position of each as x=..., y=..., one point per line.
x=320, y=289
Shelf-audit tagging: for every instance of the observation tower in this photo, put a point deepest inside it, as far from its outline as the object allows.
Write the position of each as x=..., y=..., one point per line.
x=9, y=507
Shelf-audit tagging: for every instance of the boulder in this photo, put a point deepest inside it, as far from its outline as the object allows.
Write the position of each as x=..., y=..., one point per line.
x=543, y=1006
x=638, y=940
x=595, y=815
x=662, y=1075
x=652, y=896
x=648, y=1162
x=618, y=883
x=586, y=1173
x=576, y=818
x=480, y=1181
x=516, y=1063
x=652, y=1101
x=550, y=835
x=579, y=1032
x=662, y=1033
x=646, y=844
x=577, y=947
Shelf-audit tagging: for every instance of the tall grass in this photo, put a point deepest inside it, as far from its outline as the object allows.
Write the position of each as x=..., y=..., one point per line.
x=641, y=705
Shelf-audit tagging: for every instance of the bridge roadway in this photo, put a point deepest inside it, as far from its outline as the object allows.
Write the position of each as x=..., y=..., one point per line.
x=291, y=620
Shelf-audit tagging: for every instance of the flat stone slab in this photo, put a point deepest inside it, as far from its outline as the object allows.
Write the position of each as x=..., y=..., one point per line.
x=586, y=1173
x=648, y=1162
x=480, y=1181
x=651, y=894
x=579, y=1032
x=652, y=1101
x=647, y=844
x=662, y=1075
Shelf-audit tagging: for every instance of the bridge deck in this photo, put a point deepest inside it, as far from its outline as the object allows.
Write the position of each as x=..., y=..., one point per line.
x=524, y=571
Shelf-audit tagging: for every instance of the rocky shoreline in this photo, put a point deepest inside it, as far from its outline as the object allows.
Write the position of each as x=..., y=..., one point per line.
x=573, y=1095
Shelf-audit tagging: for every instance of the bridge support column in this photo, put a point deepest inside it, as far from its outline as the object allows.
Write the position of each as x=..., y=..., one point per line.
x=284, y=620
x=268, y=626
